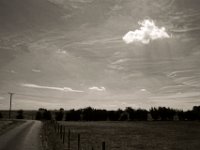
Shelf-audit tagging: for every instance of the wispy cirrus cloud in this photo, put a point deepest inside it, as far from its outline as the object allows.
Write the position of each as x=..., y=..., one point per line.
x=147, y=32
x=97, y=88
x=60, y=51
x=65, y=89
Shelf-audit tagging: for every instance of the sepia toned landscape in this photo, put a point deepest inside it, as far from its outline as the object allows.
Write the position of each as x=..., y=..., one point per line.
x=99, y=75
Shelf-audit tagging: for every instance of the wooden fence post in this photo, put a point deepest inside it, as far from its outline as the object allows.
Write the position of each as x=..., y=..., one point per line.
x=69, y=139
x=78, y=141
x=61, y=131
x=58, y=128
x=55, y=126
x=103, y=146
x=63, y=134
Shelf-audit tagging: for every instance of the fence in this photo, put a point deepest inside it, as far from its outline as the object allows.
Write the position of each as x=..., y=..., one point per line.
x=64, y=136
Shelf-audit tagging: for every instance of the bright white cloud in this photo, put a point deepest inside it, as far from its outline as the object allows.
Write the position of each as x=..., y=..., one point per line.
x=97, y=88
x=65, y=89
x=147, y=32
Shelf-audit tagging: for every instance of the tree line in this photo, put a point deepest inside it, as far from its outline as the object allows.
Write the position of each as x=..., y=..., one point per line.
x=128, y=114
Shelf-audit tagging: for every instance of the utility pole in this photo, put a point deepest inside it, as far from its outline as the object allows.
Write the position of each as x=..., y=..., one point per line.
x=11, y=95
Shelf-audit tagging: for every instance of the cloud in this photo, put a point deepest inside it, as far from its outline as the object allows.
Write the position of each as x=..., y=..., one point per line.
x=12, y=71
x=65, y=89
x=60, y=51
x=119, y=61
x=178, y=95
x=147, y=32
x=36, y=70
x=97, y=88
x=143, y=90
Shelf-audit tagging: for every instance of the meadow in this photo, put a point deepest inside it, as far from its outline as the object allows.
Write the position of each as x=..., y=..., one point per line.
x=6, y=125
x=28, y=114
x=136, y=135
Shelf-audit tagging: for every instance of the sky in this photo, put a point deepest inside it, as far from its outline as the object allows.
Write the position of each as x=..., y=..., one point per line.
x=99, y=53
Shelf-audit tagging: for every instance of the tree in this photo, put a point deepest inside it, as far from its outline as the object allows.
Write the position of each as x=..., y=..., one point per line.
x=196, y=110
x=99, y=115
x=154, y=113
x=131, y=113
x=47, y=115
x=38, y=115
x=87, y=114
x=124, y=116
x=59, y=115
x=113, y=115
x=1, y=116
x=141, y=114
x=20, y=114
x=166, y=113
x=181, y=115
x=43, y=114
x=73, y=115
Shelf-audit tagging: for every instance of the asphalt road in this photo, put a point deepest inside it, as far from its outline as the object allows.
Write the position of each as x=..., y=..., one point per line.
x=23, y=137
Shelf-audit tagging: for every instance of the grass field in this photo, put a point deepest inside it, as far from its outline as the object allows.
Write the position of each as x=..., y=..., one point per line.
x=28, y=114
x=159, y=135
x=6, y=125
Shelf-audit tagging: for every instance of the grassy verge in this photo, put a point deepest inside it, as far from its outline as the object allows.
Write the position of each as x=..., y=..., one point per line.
x=6, y=125
x=155, y=135
x=135, y=135
x=50, y=139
